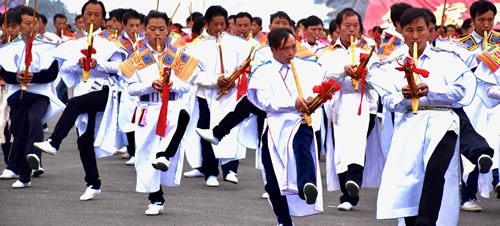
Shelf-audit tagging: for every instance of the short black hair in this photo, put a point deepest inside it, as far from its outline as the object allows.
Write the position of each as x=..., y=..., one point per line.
x=95, y=2
x=312, y=21
x=377, y=29
x=242, y=15
x=59, y=15
x=346, y=13
x=194, y=15
x=413, y=14
x=142, y=17
x=12, y=17
x=117, y=13
x=213, y=11
x=332, y=27
x=279, y=36
x=431, y=15
x=451, y=25
x=481, y=7
x=397, y=11
x=233, y=17
x=130, y=14
x=281, y=14
x=156, y=14
x=43, y=18
x=467, y=24
x=23, y=10
x=257, y=20
x=198, y=25
x=77, y=17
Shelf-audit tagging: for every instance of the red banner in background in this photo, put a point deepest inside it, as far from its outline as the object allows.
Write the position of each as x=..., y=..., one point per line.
x=378, y=11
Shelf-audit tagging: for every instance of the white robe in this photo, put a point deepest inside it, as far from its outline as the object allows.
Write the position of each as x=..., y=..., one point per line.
x=147, y=142
x=275, y=95
x=351, y=129
x=108, y=56
x=42, y=60
x=234, y=52
x=416, y=136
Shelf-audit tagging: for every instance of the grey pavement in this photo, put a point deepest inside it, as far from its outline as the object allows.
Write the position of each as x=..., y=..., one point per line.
x=53, y=199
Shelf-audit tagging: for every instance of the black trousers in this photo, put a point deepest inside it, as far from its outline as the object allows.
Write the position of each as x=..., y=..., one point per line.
x=131, y=143
x=472, y=145
x=156, y=197
x=173, y=146
x=354, y=172
x=278, y=201
x=90, y=103
x=432, y=189
x=242, y=111
x=6, y=148
x=26, y=126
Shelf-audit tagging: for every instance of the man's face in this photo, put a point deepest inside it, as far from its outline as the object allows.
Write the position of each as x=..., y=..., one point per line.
x=230, y=28
x=312, y=33
x=483, y=22
x=450, y=32
x=432, y=32
x=116, y=24
x=256, y=28
x=349, y=27
x=335, y=34
x=286, y=52
x=92, y=15
x=156, y=29
x=417, y=31
x=279, y=23
x=12, y=30
x=79, y=23
x=132, y=27
x=26, y=23
x=242, y=27
x=60, y=24
x=216, y=25
x=41, y=26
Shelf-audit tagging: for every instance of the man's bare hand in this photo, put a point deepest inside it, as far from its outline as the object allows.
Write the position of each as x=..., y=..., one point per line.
x=422, y=90
x=158, y=85
x=222, y=81
x=350, y=70
x=300, y=104
x=93, y=62
x=25, y=78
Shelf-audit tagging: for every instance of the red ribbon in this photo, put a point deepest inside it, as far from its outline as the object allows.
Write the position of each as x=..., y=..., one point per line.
x=161, y=127
x=409, y=67
x=29, y=56
x=362, y=72
x=242, y=84
x=322, y=90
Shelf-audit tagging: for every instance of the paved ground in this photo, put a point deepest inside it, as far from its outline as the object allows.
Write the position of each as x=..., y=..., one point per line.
x=53, y=199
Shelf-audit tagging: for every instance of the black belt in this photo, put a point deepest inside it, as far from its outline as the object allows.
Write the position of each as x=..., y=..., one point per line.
x=155, y=97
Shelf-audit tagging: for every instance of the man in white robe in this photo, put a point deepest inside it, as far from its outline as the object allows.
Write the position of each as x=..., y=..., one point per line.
x=416, y=177
x=289, y=154
x=94, y=107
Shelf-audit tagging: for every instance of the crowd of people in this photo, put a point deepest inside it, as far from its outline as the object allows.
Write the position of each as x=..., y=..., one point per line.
x=410, y=109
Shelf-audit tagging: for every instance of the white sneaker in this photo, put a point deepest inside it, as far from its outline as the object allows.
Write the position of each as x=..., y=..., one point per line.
x=19, y=184
x=33, y=161
x=90, y=193
x=131, y=161
x=231, y=177
x=8, y=174
x=212, y=181
x=161, y=163
x=46, y=147
x=345, y=206
x=484, y=163
x=352, y=188
x=125, y=156
x=471, y=206
x=310, y=193
x=154, y=209
x=193, y=173
x=38, y=172
x=265, y=195
x=207, y=135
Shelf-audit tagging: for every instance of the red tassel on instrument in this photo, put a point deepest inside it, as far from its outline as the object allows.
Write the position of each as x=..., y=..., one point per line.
x=242, y=84
x=161, y=127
